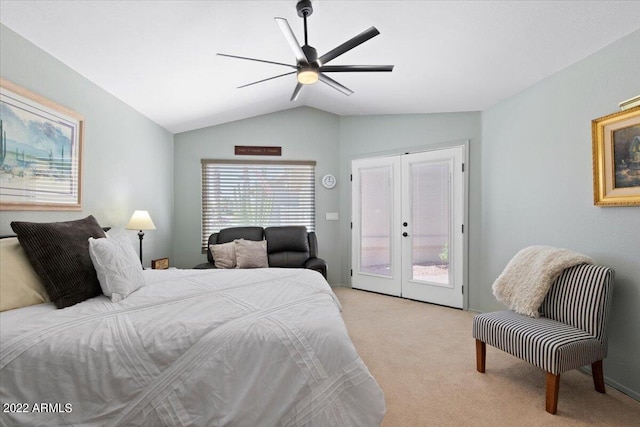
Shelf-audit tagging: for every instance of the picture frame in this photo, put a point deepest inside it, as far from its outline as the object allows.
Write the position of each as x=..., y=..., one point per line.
x=160, y=264
x=616, y=158
x=40, y=152
x=630, y=103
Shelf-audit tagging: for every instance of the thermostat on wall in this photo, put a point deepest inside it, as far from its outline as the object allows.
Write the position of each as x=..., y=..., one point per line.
x=328, y=181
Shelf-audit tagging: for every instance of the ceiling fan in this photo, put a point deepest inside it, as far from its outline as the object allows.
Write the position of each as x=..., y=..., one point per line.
x=309, y=67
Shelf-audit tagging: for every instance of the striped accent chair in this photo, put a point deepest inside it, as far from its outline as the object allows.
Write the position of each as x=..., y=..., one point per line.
x=570, y=332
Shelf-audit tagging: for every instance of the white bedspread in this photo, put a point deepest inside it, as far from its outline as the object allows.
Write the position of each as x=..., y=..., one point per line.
x=263, y=347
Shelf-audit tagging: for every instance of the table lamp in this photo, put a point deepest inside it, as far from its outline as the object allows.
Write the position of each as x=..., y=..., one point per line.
x=140, y=220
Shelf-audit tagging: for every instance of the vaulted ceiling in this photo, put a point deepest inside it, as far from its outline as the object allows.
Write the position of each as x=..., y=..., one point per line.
x=160, y=56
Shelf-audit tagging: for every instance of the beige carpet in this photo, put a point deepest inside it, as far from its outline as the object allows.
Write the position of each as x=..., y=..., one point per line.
x=423, y=357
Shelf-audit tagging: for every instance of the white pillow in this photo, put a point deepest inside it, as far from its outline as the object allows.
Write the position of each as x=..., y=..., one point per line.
x=117, y=265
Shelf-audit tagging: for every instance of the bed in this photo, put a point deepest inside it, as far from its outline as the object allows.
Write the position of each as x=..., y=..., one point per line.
x=255, y=347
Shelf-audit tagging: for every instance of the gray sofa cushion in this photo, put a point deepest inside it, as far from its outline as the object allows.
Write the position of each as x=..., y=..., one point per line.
x=291, y=238
x=247, y=233
x=287, y=246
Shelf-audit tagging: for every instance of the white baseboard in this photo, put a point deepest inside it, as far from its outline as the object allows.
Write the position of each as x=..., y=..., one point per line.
x=608, y=381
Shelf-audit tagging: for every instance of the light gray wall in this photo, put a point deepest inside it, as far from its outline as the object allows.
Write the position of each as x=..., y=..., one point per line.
x=303, y=133
x=367, y=136
x=127, y=159
x=537, y=189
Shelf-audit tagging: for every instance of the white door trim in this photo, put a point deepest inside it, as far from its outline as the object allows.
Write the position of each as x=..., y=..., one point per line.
x=465, y=247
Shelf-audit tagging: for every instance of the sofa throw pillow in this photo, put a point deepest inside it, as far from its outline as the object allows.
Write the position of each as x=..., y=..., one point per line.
x=251, y=254
x=117, y=265
x=20, y=286
x=224, y=255
x=59, y=254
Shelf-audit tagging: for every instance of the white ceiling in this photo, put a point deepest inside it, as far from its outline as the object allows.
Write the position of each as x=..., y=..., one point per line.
x=159, y=56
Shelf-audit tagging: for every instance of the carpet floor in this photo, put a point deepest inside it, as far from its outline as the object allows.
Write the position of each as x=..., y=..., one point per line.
x=423, y=358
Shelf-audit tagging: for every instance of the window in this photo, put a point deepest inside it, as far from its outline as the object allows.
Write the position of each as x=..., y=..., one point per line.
x=238, y=193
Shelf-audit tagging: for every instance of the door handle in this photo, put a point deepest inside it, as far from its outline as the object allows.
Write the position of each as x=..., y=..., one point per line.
x=405, y=234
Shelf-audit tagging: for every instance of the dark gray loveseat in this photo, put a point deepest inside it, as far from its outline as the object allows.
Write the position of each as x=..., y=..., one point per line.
x=287, y=246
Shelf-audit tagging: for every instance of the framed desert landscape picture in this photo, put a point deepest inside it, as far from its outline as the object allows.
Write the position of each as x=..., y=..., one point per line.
x=40, y=152
x=616, y=159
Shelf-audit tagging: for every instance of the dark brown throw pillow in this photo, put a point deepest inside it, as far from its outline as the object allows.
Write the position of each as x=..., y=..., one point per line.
x=59, y=253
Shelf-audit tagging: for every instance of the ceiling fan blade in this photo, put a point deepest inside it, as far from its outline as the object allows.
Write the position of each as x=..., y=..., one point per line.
x=296, y=91
x=257, y=60
x=264, y=80
x=348, y=45
x=353, y=68
x=291, y=39
x=334, y=84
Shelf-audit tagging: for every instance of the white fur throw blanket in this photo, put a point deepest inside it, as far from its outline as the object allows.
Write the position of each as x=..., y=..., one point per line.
x=528, y=277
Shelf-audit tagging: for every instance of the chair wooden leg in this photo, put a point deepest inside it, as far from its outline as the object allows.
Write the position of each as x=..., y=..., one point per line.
x=481, y=355
x=553, y=386
x=598, y=376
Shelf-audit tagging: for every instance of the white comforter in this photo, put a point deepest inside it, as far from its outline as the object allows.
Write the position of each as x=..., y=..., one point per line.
x=264, y=347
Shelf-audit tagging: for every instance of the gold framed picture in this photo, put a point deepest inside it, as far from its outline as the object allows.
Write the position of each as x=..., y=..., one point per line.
x=160, y=264
x=40, y=152
x=616, y=159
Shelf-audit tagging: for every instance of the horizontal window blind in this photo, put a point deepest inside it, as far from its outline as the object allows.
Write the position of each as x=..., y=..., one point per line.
x=238, y=193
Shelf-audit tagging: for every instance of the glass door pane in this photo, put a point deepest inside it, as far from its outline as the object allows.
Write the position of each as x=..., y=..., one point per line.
x=375, y=221
x=431, y=214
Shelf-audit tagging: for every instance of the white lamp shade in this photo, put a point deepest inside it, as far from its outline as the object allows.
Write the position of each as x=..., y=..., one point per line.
x=140, y=220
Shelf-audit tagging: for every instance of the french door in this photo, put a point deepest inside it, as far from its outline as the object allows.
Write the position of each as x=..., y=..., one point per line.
x=407, y=225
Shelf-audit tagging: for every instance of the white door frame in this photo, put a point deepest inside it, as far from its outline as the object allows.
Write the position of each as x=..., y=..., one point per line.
x=447, y=293
x=466, y=170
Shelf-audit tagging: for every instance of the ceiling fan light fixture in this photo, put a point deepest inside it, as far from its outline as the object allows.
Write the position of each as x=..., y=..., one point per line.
x=307, y=76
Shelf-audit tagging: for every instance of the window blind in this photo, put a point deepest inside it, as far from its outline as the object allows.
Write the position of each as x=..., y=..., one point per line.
x=238, y=193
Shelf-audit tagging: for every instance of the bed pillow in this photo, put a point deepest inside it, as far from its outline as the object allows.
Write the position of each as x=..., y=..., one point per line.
x=59, y=254
x=251, y=254
x=20, y=286
x=117, y=265
x=224, y=255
